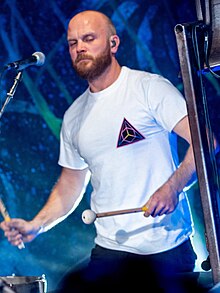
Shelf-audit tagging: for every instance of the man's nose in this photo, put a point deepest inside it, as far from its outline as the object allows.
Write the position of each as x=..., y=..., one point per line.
x=80, y=47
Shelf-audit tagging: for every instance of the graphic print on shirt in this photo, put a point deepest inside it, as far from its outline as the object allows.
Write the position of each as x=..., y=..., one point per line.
x=128, y=134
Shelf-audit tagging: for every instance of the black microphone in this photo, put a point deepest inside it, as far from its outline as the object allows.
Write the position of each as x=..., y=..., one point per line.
x=37, y=58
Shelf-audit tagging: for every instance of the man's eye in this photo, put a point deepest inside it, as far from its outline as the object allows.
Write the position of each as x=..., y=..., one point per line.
x=71, y=44
x=89, y=39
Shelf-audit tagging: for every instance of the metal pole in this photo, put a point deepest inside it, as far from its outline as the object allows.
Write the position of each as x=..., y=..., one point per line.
x=11, y=92
x=193, y=90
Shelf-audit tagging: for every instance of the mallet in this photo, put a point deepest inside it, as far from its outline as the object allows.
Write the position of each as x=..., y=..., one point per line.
x=88, y=216
x=7, y=218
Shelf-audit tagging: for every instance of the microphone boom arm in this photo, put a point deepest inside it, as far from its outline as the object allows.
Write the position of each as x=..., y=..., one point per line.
x=11, y=92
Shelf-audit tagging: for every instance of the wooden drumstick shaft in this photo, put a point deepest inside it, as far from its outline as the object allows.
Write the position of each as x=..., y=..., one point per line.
x=7, y=218
x=121, y=212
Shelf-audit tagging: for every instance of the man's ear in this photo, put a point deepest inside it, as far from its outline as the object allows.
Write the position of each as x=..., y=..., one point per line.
x=115, y=41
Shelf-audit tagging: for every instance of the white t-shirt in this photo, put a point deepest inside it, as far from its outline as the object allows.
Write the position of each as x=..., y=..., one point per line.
x=123, y=134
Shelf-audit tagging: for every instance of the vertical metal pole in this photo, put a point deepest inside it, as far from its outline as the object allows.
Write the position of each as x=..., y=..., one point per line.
x=193, y=94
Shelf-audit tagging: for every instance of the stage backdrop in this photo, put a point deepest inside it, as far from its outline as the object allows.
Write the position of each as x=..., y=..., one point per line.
x=30, y=125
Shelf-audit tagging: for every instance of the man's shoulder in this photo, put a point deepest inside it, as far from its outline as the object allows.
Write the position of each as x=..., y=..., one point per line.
x=138, y=75
x=77, y=104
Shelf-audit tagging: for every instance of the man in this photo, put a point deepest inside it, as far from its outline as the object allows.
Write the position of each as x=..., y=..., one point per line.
x=121, y=134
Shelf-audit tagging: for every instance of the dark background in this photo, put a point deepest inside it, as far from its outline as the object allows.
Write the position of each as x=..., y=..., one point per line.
x=30, y=125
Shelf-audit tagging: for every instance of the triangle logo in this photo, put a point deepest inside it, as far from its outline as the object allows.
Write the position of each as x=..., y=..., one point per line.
x=128, y=134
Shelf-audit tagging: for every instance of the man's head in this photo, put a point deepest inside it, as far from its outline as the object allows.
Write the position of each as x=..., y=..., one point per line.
x=92, y=43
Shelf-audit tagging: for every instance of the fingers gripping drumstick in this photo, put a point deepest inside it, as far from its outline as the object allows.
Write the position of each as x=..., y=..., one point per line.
x=88, y=216
x=7, y=218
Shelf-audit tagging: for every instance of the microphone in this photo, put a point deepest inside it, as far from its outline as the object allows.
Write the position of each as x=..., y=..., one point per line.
x=37, y=58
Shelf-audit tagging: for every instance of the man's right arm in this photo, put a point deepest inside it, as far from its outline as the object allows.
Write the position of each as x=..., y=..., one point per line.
x=64, y=198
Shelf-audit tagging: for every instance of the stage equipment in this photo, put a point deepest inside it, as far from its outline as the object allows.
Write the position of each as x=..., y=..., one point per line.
x=199, y=53
x=11, y=92
x=208, y=12
x=37, y=58
x=25, y=284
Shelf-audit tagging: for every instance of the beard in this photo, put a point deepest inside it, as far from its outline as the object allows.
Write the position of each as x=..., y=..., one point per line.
x=97, y=67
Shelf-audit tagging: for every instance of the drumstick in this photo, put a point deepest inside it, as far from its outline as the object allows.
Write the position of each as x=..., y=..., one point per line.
x=7, y=218
x=88, y=216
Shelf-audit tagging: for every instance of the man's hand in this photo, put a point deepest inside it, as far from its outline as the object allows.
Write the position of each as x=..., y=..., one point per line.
x=163, y=201
x=19, y=230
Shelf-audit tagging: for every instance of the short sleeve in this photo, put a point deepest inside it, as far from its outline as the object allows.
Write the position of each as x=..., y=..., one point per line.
x=69, y=156
x=166, y=103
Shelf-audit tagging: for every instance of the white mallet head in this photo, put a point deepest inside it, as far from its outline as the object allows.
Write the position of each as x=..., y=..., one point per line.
x=88, y=216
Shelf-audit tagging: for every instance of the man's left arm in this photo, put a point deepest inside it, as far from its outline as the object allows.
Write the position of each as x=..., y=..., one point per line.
x=165, y=199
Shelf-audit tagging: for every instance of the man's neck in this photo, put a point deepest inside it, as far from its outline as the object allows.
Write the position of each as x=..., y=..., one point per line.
x=106, y=79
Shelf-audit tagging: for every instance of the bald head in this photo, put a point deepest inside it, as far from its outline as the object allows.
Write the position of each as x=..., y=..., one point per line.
x=94, y=17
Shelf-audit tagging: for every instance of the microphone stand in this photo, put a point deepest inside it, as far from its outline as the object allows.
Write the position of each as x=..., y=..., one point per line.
x=10, y=95
x=11, y=92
